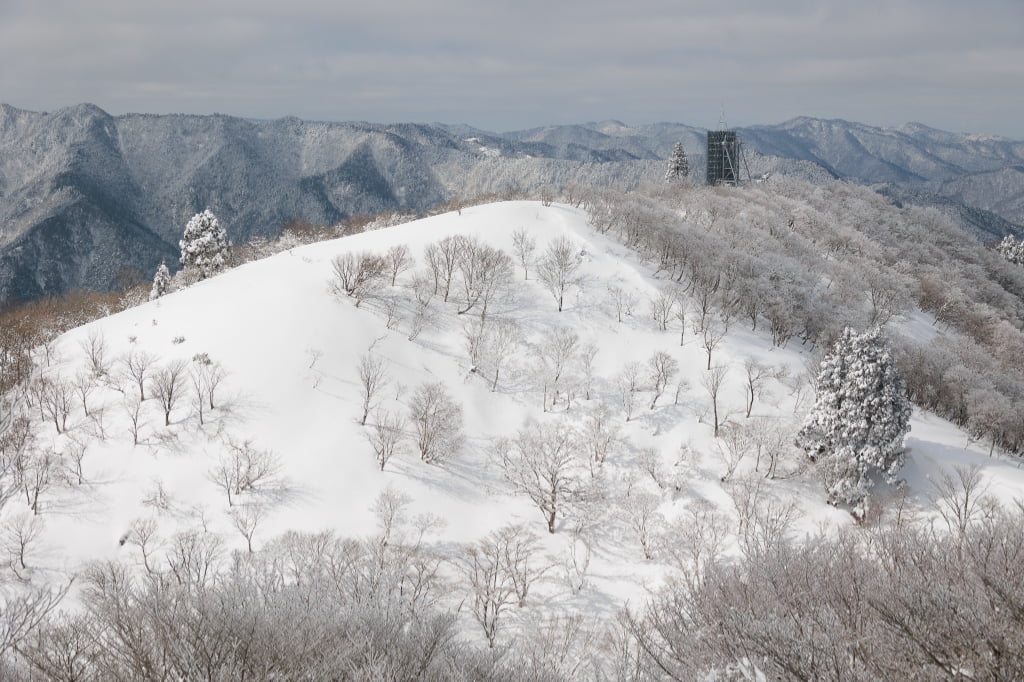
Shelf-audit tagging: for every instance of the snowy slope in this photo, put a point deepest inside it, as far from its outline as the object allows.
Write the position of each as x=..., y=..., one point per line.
x=290, y=348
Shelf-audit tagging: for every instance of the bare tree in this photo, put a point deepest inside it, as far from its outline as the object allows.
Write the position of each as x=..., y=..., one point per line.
x=75, y=453
x=136, y=367
x=133, y=409
x=755, y=376
x=712, y=334
x=399, y=260
x=39, y=474
x=420, y=319
x=599, y=435
x=85, y=384
x=194, y=557
x=624, y=301
x=557, y=351
x=423, y=287
x=662, y=368
x=587, y=354
x=524, y=246
x=959, y=499
x=95, y=348
x=680, y=314
x=542, y=463
x=19, y=534
x=387, y=432
x=704, y=285
x=373, y=377
x=443, y=259
x=888, y=295
x=733, y=446
x=17, y=447
x=24, y=613
x=770, y=442
x=245, y=518
x=492, y=587
x=499, y=568
x=628, y=383
x=167, y=386
x=55, y=397
x=198, y=376
x=473, y=333
x=640, y=509
x=355, y=274
x=695, y=540
x=519, y=549
x=662, y=307
x=557, y=268
x=143, y=534
x=484, y=271
x=712, y=382
x=500, y=343
x=244, y=468
x=437, y=421
x=651, y=464
x=207, y=375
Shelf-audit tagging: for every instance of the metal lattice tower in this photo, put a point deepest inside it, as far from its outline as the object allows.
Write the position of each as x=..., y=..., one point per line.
x=723, y=157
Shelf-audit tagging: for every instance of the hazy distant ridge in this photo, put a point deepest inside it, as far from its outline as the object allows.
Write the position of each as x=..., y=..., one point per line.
x=84, y=194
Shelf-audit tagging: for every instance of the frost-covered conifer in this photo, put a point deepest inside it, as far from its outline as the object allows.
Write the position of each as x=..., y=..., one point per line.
x=678, y=166
x=204, y=246
x=1012, y=249
x=855, y=429
x=161, y=282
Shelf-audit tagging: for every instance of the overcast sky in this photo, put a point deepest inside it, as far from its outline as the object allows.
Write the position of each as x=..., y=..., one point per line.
x=513, y=64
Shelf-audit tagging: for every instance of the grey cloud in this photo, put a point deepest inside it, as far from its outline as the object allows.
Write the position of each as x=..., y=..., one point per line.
x=507, y=64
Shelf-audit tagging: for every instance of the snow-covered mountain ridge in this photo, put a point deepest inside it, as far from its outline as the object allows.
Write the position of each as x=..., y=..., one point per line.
x=290, y=349
x=88, y=200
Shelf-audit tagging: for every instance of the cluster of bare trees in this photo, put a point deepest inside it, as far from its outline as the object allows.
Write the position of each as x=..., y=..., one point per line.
x=433, y=424
x=478, y=272
x=244, y=468
x=500, y=569
x=897, y=603
x=806, y=261
x=77, y=409
x=307, y=605
x=356, y=274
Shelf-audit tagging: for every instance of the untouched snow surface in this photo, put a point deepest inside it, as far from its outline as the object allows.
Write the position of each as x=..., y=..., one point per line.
x=290, y=348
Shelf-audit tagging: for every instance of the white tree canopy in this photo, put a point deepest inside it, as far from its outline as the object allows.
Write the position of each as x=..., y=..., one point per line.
x=678, y=165
x=1012, y=249
x=856, y=428
x=161, y=282
x=204, y=245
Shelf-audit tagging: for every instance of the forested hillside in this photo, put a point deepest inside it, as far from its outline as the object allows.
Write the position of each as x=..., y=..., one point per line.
x=95, y=202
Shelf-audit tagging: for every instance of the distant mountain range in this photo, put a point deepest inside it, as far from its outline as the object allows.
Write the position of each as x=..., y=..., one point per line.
x=86, y=197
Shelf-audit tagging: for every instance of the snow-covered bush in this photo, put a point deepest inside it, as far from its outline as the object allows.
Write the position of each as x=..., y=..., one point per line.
x=855, y=429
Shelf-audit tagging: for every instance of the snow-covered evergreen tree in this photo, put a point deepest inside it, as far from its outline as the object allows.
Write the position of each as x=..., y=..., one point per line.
x=856, y=428
x=161, y=282
x=204, y=246
x=1012, y=249
x=678, y=166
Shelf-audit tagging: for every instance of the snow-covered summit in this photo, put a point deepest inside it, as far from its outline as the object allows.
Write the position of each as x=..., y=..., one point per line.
x=287, y=347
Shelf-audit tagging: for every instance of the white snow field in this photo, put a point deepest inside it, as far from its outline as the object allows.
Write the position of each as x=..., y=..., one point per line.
x=290, y=349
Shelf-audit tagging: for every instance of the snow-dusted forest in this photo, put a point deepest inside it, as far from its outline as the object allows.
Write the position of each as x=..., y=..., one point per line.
x=769, y=432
